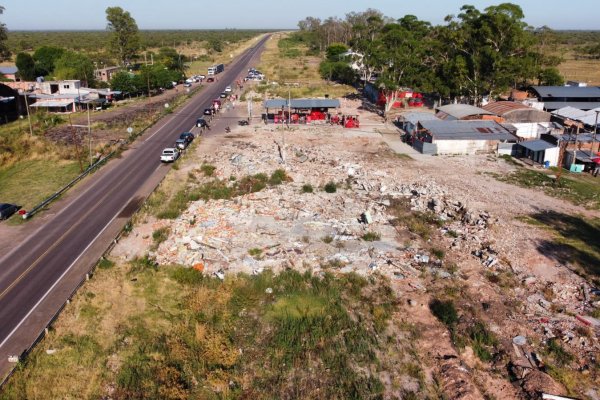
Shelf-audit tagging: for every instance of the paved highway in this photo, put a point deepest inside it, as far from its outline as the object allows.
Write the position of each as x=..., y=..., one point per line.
x=38, y=276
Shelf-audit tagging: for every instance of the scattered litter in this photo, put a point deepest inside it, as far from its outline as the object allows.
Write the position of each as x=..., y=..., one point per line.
x=220, y=274
x=269, y=290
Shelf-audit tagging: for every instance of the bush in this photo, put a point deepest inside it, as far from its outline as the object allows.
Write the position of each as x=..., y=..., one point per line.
x=160, y=235
x=444, y=311
x=330, y=187
x=371, y=237
x=307, y=188
x=208, y=170
x=278, y=177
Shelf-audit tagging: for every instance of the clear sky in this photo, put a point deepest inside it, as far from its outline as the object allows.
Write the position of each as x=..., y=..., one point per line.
x=201, y=14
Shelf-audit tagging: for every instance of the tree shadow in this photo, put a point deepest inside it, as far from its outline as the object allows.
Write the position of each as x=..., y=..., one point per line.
x=577, y=241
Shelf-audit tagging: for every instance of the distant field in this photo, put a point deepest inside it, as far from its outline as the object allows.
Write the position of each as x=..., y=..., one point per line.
x=581, y=70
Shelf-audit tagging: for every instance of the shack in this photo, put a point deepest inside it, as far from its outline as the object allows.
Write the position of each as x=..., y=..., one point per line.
x=453, y=112
x=298, y=111
x=463, y=137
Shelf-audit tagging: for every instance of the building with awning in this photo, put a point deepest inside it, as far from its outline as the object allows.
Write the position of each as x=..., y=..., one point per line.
x=298, y=110
x=540, y=151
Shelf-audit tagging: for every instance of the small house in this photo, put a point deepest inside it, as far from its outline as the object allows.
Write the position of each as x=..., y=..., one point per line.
x=9, y=72
x=463, y=137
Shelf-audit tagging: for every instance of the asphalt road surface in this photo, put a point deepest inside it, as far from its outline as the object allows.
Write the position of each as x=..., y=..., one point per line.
x=41, y=273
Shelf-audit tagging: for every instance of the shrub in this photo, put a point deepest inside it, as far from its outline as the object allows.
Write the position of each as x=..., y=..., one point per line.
x=160, y=235
x=278, y=177
x=444, y=311
x=207, y=169
x=330, y=187
x=371, y=237
x=307, y=188
x=327, y=239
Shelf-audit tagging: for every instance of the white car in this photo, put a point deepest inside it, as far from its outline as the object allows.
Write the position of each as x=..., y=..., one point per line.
x=189, y=80
x=228, y=89
x=169, y=155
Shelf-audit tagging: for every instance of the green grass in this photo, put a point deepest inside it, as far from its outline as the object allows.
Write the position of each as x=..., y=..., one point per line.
x=445, y=311
x=278, y=177
x=579, y=189
x=207, y=169
x=27, y=183
x=371, y=237
x=574, y=240
x=160, y=235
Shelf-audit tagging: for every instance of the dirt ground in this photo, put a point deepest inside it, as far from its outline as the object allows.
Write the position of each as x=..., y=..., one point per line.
x=488, y=243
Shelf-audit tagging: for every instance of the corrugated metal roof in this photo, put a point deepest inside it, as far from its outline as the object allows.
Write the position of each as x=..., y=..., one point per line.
x=569, y=112
x=52, y=103
x=537, y=145
x=502, y=107
x=582, y=105
x=460, y=111
x=416, y=116
x=567, y=91
x=8, y=70
x=587, y=117
x=302, y=103
x=467, y=130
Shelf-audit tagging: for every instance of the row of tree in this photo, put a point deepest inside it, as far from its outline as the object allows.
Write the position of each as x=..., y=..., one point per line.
x=475, y=53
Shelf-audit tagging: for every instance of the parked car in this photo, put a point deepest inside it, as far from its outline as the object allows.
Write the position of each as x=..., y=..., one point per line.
x=169, y=155
x=202, y=76
x=187, y=84
x=228, y=89
x=187, y=136
x=7, y=209
x=223, y=95
x=208, y=111
x=210, y=79
x=189, y=80
x=181, y=144
x=201, y=123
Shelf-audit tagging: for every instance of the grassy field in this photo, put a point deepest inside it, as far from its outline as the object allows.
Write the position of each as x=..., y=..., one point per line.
x=291, y=70
x=29, y=182
x=142, y=331
x=578, y=188
x=581, y=70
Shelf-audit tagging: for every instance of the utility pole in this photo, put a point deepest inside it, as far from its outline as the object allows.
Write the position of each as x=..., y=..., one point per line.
x=89, y=132
x=28, y=115
x=595, y=132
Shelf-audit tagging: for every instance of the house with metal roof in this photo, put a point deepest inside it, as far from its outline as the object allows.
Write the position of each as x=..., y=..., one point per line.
x=409, y=121
x=9, y=72
x=464, y=137
x=452, y=112
x=512, y=111
x=555, y=97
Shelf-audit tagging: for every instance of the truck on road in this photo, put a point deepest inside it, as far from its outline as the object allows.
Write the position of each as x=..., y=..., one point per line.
x=216, y=69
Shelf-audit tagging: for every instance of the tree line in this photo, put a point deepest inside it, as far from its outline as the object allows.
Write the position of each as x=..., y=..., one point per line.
x=473, y=54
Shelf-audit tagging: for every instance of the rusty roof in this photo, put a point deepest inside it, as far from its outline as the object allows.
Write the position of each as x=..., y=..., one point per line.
x=502, y=107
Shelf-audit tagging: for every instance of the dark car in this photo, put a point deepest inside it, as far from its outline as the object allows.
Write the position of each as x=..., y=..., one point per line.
x=201, y=123
x=181, y=144
x=223, y=95
x=210, y=80
x=6, y=210
x=208, y=111
x=187, y=137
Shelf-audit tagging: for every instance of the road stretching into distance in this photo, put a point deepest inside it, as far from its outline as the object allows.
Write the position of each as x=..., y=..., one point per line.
x=39, y=274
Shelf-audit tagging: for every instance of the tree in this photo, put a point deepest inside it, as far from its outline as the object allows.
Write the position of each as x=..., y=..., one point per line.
x=125, y=82
x=73, y=65
x=26, y=66
x=125, y=39
x=335, y=51
x=45, y=59
x=171, y=59
x=4, y=51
